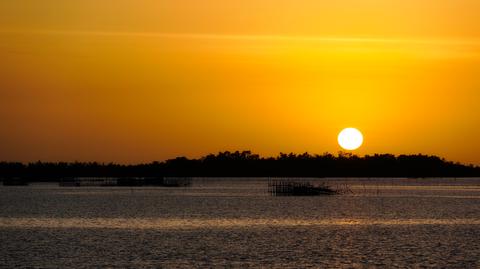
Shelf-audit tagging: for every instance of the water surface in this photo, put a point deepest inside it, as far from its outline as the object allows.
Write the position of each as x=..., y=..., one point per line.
x=235, y=223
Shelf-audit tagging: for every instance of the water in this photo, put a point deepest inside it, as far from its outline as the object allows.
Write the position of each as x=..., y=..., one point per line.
x=234, y=223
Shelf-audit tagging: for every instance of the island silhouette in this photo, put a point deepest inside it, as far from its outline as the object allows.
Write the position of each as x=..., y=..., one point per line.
x=248, y=164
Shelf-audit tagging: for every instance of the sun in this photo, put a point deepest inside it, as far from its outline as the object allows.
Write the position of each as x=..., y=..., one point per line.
x=350, y=139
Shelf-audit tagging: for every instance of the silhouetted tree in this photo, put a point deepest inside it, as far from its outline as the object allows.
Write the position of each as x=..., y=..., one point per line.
x=247, y=164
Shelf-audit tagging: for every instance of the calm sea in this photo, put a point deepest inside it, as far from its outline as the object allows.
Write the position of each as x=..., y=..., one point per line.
x=234, y=223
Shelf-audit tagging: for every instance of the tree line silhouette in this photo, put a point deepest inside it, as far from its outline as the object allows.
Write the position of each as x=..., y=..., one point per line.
x=247, y=164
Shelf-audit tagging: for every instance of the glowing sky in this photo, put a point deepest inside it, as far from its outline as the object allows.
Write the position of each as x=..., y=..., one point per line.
x=143, y=80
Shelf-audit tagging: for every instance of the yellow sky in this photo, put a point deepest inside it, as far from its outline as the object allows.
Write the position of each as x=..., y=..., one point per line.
x=135, y=81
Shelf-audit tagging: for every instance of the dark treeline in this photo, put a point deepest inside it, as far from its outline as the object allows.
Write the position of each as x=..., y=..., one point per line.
x=246, y=164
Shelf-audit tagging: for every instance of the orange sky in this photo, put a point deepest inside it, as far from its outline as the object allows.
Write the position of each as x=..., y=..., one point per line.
x=135, y=81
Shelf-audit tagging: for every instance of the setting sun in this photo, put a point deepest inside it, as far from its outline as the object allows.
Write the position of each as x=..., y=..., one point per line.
x=350, y=139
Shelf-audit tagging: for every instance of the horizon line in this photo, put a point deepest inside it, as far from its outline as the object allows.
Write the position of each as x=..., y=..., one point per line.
x=347, y=153
x=253, y=37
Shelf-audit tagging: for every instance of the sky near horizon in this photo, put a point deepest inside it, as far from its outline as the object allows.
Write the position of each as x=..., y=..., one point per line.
x=136, y=81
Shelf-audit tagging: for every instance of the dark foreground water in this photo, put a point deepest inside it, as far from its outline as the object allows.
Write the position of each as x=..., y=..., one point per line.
x=235, y=224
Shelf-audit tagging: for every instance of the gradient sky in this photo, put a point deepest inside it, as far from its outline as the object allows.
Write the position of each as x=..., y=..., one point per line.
x=136, y=81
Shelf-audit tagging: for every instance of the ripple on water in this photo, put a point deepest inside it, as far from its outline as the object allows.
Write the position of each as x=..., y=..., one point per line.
x=194, y=223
